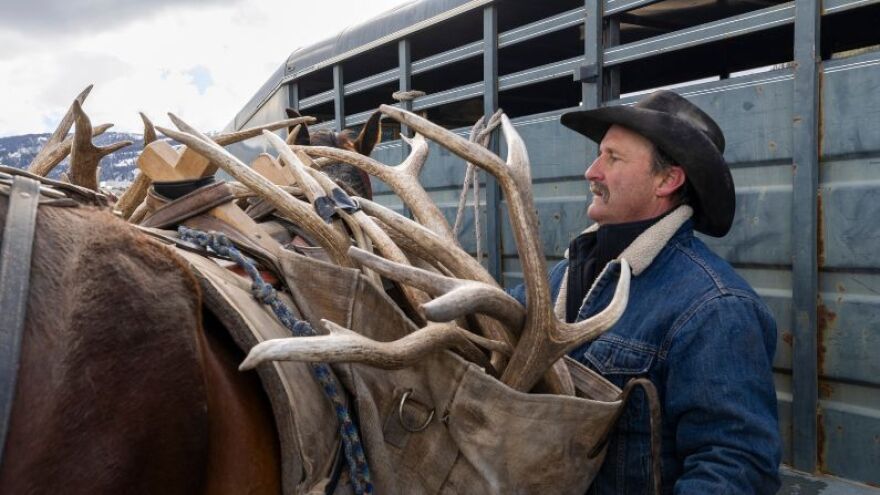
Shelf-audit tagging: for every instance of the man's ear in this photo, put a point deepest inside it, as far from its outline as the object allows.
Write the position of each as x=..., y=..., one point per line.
x=370, y=135
x=303, y=137
x=673, y=179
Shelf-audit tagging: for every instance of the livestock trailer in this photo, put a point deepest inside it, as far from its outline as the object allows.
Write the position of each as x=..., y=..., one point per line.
x=792, y=84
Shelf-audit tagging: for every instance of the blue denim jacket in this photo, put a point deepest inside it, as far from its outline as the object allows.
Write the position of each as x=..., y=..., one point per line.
x=705, y=339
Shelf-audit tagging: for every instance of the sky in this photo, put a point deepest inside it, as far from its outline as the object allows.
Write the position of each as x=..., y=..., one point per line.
x=200, y=59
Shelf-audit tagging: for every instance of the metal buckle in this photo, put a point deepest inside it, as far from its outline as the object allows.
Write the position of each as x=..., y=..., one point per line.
x=400, y=415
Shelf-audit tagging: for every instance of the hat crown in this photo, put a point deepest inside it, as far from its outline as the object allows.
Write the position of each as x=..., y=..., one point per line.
x=681, y=108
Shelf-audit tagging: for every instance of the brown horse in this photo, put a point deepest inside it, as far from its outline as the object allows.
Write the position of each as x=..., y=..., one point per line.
x=125, y=386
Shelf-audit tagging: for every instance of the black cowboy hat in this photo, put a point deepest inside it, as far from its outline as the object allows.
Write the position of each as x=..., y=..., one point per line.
x=687, y=135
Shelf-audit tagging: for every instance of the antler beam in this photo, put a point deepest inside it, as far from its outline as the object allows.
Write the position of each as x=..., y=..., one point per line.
x=345, y=346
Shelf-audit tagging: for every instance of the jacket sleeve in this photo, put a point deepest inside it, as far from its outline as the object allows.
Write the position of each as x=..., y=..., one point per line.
x=720, y=399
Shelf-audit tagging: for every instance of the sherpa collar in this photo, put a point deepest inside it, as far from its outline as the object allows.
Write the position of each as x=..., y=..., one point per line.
x=639, y=254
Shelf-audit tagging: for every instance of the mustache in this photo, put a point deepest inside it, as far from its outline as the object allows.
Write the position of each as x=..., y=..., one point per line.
x=601, y=190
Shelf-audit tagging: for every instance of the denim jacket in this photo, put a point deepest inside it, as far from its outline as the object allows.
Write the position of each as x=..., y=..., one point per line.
x=705, y=339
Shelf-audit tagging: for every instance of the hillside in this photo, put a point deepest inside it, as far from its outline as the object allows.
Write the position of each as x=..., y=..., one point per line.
x=117, y=169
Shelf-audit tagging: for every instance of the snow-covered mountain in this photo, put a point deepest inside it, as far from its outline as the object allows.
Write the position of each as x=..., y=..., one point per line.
x=117, y=169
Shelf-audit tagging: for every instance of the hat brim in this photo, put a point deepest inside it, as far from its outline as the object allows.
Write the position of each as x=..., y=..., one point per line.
x=709, y=176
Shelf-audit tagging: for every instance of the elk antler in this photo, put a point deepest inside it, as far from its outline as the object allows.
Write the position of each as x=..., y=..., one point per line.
x=85, y=156
x=252, y=132
x=297, y=211
x=344, y=345
x=58, y=153
x=51, y=153
x=544, y=339
x=459, y=298
x=403, y=180
x=137, y=191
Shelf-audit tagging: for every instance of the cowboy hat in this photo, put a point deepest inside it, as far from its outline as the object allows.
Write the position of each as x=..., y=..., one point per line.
x=687, y=135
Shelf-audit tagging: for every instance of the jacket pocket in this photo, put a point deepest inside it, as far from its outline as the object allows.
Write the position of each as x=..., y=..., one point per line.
x=611, y=355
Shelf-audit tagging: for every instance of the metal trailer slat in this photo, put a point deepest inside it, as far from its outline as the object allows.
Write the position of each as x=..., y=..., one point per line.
x=836, y=6
x=490, y=106
x=705, y=33
x=619, y=6
x=317, y=99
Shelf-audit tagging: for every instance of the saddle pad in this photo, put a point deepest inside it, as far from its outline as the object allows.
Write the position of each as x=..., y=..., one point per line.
x=309, y=441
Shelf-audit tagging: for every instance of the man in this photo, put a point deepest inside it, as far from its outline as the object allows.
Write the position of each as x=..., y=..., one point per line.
x=693, y=327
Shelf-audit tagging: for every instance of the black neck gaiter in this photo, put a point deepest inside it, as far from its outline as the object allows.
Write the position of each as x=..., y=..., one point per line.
x=589, y=253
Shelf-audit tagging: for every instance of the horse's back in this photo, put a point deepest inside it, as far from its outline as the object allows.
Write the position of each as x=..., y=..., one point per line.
x=110, y=396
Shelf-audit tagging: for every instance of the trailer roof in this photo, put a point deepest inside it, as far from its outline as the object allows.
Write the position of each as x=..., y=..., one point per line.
x=386, y=27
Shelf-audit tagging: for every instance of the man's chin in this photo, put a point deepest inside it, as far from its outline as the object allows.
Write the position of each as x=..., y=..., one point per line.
x=594, y=213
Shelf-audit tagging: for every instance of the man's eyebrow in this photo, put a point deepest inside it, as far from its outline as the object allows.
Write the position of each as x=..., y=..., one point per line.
x=610, y=148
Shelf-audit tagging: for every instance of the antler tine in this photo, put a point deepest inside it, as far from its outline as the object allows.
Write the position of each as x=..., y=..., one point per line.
x=575, y=334
x=301, y=213
x=48, y=153
x=251, y=132
x=458, y=297
x=137, y=191
x=345, y=346
x=310, y=186
x=403, y=180
x=84, y=155
x=149, y=129
x=470, y=152
x=51, y=157
x=234, y=137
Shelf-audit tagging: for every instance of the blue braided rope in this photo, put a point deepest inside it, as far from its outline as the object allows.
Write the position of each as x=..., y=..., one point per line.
x=359, y=471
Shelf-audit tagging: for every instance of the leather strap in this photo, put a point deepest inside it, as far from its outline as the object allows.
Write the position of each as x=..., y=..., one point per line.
x=189, y=205
x=654, y=419
x=15, y=269
x=80, y=194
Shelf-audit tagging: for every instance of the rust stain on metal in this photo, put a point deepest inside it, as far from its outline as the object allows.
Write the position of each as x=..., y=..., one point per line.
x=825, y=319
x=788, y=338
x=825, y=389
x=820, y=230
x=820, y=440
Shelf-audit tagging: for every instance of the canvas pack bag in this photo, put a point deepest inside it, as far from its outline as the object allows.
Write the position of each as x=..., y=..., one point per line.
x=442, y=426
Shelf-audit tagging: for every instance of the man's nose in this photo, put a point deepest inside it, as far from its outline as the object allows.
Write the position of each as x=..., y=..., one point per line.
x=593, y=172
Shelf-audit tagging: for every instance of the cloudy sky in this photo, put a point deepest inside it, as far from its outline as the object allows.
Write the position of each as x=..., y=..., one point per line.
x=199, y=59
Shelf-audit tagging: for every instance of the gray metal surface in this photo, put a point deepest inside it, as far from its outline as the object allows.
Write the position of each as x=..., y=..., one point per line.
x=804, y=222
x=799, y=483
x=490, y=106
x=338, y=97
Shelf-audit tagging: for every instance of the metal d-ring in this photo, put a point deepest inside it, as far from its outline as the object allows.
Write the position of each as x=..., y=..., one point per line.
x=400, y=415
